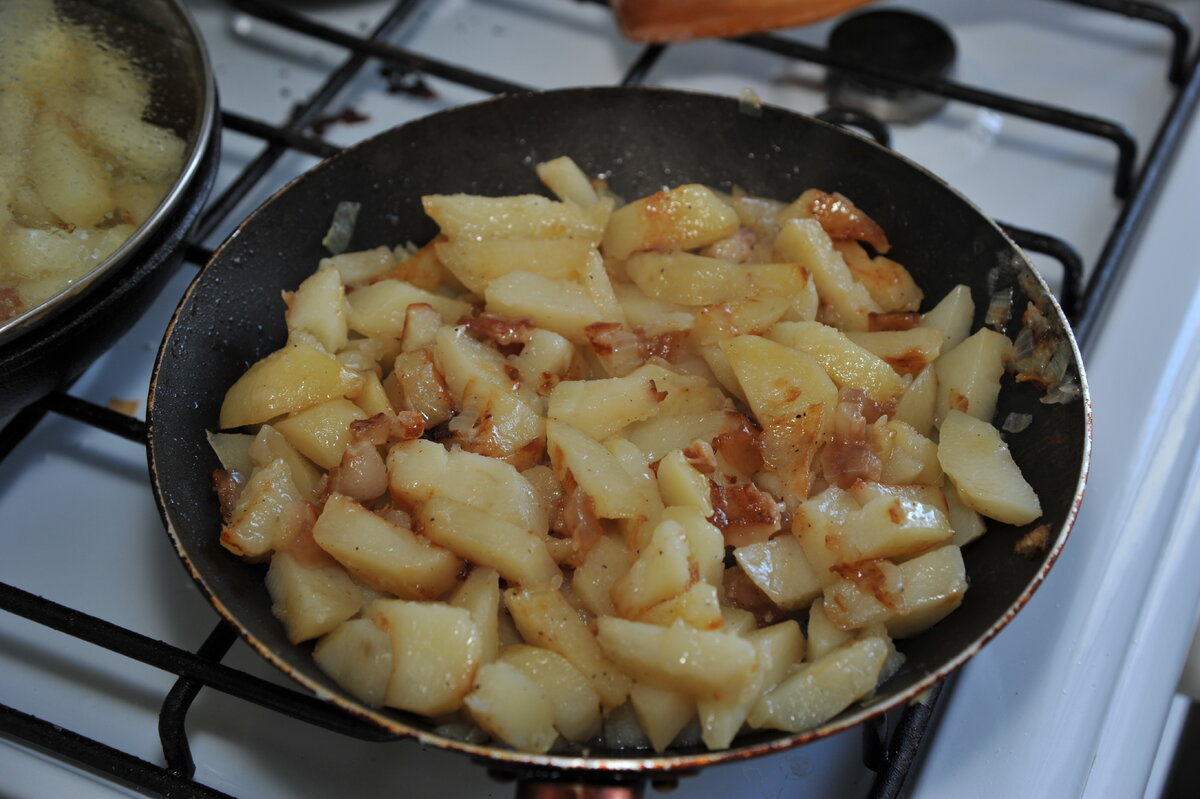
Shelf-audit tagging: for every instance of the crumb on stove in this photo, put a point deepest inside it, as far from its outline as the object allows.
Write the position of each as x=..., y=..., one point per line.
x=129, y=407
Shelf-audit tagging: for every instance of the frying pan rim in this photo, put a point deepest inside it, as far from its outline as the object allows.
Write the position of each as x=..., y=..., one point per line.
x=504, y=757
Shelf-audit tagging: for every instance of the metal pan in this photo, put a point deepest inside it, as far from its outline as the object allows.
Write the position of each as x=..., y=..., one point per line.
x=641, y=139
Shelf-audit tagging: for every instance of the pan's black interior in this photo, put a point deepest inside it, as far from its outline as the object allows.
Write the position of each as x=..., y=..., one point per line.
x=641, y=140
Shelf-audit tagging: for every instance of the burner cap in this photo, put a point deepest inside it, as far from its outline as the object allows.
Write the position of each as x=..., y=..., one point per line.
x=898, y=41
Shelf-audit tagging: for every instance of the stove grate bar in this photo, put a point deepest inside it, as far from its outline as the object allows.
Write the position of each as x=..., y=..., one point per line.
x=100, y=758
x=279, y=136
x=1114, y=132
x=1159, y=15
x=378, y=49
x=189, y=665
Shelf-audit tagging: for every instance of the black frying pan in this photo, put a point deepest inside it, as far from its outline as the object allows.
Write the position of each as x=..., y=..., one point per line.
x=641, y=139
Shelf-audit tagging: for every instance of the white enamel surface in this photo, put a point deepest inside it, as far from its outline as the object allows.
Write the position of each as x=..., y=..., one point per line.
x=1074, y=694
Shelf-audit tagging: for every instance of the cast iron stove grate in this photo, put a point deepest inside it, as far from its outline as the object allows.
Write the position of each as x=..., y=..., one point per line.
x=892, y=743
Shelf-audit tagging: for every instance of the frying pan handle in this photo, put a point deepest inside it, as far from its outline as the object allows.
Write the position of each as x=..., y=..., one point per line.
x=536, y=789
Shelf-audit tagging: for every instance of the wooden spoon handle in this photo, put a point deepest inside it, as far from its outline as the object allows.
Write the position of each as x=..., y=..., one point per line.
x=679, y=20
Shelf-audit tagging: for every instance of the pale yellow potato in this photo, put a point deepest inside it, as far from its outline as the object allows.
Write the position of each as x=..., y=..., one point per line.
x=847, y=364
x=600, y=408
x=318, y=306
x=358, y=656
x=480, y=594
x=650, y=315
x=781, y=570
x=889, y=527
x=265, y=515
x=322, y=432
x=823, y=635
x=605, y=563
x=687, y=279
x=978, y=462
x=310, y=601
x=233, y=450
x=576, y=703
x=817, y=521
x=699, y=606
x=379, y=309
x=966, y=523
x=466, y=216
x=517, y=553
x=680, y=484
x=597, y=471
x=932, y=585
x=269, y=444
x=780, y=383
x=416, y=384
x=545, y=619
x=384, y=555
x=918, y=403
x=751, y=316
x=373, y=398
x=420, y=470
x=888, y=283
x=908, y=456
x=662, y=434
x=564, y=177
x=290, y=379
x=660, y=572
x=681, y=218
x=804, y=241
x=779, y=648
x=435, y=654
x=661, y=713
x=562, y=306
x=421, y=324
x=952, y=315
x=685, y=393
x=496, y=422
x=543, y=361
x=361, y=267
x=969, y=375
x=822, y=689
x=70, y=180
x=147, y=150
x=906, y=351
x=476, y=263
x=706, y=545
x=703, y=664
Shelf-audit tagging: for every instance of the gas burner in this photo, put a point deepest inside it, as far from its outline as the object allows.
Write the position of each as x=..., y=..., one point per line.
x=898, y=41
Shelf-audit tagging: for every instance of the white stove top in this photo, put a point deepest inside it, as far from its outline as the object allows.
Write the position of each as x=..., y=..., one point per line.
x=1073, y=694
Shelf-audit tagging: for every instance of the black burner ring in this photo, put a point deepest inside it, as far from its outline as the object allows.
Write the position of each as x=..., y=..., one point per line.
x=897, y=41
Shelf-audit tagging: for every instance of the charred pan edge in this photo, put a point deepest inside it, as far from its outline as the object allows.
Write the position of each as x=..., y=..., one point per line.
x=616, y=766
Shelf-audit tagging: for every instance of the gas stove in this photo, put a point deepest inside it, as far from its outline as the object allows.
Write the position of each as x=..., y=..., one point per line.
x=1069, y=122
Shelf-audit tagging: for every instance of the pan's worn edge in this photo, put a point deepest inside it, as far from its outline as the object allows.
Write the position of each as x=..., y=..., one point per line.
x=501, y=757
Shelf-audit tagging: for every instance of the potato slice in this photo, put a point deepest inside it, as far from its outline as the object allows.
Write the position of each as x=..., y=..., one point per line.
x=605, y=564
x=977, y=460
x=435, y=654
x=318, y=306
x=545, y=619
x=780, y=383
x=969, y=375
x=562, y=306
x=698, y=606
x=310, y=601
x=888, y=283
x=822, y=689
x=781, y=571
x=518, y=554
x=804, y=241
x=823, y=635
x=706, y=545
x=416, y=384
x=652, y=316
x=683, y=218
x=420, y=470
x=680, y=484
x=847, y=364
x=906, y=351
x=931, y=586
x=72, y=182
x=687, y=279
x=661, y=713
x=509, y=705
x=918, y=403
x=264, y=516
x=384, y=555
x=379, y=309
x=358, y=656
x=702, y=664
x=952, y=316
x=322, y=433
x=289, y=379
x=576, y=703
x=471, y=217
x=779, y=648
x=600, y=408
x=597, y=471
x=478, y=263
x=564, y=177
x=362, y=266
x=660, y=572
